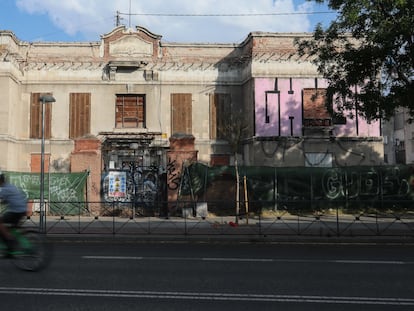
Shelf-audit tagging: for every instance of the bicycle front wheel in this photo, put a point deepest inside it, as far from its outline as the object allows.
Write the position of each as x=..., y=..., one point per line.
x=33, y=253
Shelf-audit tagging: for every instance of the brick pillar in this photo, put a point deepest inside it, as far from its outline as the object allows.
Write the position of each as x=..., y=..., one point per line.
x=181, y=151
x=87, y=156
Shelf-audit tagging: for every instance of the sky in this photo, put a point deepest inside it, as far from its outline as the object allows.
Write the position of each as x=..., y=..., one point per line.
x=185, y=21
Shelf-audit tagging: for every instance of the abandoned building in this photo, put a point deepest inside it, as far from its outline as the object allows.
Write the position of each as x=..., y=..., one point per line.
x=133, y=102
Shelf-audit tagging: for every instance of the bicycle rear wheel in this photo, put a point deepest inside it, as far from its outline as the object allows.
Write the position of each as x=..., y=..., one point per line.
x=32, y=253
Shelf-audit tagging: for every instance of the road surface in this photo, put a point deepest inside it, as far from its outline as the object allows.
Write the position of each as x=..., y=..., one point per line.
x=117, y=275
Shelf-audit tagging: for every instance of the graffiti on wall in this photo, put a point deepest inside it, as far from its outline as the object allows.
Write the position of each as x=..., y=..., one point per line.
x=279, y=104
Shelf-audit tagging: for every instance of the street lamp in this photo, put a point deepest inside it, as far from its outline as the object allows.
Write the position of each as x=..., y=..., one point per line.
x=42, y=223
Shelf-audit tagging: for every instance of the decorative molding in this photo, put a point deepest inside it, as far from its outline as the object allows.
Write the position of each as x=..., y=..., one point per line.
x=64, y=65
x=113, y=67
x=130, y=46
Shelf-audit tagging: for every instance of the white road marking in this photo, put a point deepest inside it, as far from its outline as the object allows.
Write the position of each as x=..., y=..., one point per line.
x=238, y=259
x=206, y=296
x=113, y=257
x=374, y=262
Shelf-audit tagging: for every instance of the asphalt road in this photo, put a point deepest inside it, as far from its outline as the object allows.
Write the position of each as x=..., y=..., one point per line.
x=113, y=275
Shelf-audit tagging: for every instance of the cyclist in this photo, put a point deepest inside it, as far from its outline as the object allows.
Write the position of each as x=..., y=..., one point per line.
x=16, y=209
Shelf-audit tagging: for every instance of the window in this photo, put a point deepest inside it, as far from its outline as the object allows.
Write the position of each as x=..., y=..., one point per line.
x=80, y=114
x=181, y=113
x=36, y=117
x=219, y=114
x=315, y=112
x=130, y=111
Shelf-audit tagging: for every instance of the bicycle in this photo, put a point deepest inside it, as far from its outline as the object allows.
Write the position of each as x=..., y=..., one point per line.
x=31, y=253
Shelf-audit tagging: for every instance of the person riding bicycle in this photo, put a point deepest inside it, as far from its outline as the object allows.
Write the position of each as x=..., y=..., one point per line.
x=16, y=209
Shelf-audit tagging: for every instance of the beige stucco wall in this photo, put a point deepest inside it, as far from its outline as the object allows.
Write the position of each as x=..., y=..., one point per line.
x=199, y=69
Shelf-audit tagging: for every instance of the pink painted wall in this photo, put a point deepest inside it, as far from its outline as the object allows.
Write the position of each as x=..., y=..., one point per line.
x=287, y=105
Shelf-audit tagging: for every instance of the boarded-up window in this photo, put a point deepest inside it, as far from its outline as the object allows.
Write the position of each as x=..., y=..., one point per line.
x=219, y=115
x=36, y=117
x=181, y=113
x=315, y=112
x=130, y=111
x=80, y=114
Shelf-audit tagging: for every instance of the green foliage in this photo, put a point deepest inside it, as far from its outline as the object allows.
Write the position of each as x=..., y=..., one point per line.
x=367, y=56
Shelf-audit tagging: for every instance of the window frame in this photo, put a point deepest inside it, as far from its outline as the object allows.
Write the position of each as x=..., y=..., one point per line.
x=316, y=114
x=128, y=116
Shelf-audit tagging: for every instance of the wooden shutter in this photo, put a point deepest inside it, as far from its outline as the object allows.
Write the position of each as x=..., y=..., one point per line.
x=36, y=117
x=219, y=114
x=80, y=114
x=181, y=113
x=213, y=116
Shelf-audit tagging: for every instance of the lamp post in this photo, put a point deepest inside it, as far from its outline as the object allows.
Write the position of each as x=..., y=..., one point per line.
x=42, y=223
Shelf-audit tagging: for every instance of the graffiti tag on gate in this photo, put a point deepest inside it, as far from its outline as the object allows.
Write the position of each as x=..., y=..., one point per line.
x=141, y=184
x=173, y=174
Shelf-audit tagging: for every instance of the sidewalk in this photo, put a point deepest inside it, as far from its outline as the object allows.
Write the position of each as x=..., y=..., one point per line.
x=328, y=229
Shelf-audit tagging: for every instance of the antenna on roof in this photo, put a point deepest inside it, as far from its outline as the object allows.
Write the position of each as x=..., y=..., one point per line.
x=118, y=19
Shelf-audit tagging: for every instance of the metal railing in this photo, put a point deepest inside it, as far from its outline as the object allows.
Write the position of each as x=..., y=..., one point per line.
x=287, y=218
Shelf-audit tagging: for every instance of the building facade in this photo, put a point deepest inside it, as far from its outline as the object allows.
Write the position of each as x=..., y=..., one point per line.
x=120, y=101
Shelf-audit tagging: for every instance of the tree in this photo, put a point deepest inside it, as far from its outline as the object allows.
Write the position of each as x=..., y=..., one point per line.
x=233, y=131
x=367, y=55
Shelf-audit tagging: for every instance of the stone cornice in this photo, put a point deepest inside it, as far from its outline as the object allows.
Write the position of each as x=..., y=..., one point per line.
x=160, y=65
x=257, y=48
x=64, y=66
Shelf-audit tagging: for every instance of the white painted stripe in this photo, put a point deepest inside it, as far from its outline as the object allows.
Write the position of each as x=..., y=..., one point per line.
x=113, y=257
x=206, y=296
x=238, y=259
x=373, y=262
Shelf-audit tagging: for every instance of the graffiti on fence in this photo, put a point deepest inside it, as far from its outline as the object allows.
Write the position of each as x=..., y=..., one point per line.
x=59, y=187
x=65, y=194
x=332, y=184
x=357, y=182
x=269, y=186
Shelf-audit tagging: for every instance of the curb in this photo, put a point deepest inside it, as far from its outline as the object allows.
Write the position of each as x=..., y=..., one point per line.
x=252, y=239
